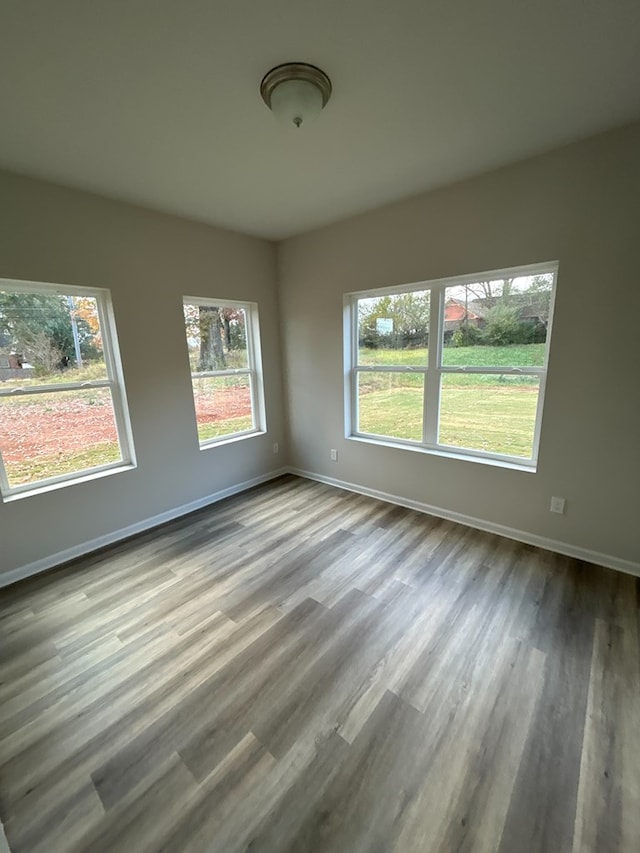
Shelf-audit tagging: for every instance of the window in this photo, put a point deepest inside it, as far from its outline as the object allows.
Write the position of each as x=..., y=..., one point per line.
x=62, y=403
x=224, y=353
x=456, y=366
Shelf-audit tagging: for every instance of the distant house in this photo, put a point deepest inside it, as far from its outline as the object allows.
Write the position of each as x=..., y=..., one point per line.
x=531, y=307
x=12, y=366
x=456, y=314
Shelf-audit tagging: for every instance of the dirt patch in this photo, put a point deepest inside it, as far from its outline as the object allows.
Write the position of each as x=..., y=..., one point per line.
x=35, y=429
x=227, y=403
x=61, y=427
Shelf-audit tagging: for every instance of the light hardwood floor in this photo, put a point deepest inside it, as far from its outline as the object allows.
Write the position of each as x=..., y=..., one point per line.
x=300, y=669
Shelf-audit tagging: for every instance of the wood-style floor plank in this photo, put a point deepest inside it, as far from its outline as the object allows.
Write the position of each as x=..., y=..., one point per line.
x=300, y=668
x=608, y=816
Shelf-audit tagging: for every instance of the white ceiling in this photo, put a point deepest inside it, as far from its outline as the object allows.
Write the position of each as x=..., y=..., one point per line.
x=157, y=101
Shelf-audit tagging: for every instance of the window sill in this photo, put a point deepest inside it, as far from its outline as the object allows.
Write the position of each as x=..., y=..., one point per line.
x=61, y=484
x=230, y=439
x=447, y=454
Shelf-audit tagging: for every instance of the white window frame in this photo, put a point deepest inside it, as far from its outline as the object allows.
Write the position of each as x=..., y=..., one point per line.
x=114, y=382
x=253, y=369
x=434, y=370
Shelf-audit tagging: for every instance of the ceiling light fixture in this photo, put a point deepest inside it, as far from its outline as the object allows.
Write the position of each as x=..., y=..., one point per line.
x=295, y=92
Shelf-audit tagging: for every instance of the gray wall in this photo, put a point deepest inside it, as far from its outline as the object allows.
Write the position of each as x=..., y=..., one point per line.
x=148, y=260
x=579, y=205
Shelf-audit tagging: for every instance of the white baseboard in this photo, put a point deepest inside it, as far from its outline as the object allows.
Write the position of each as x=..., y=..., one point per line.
x=607, y=560
x=125, y=532
x=80, y=550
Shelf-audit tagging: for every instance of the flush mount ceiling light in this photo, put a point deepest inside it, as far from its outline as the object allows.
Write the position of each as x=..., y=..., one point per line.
x=295, y=92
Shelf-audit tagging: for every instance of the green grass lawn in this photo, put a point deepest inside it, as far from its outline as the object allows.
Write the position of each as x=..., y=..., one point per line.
x=483, y=412
x=229, y=426
x=525, y=355
x=91, y=370
x=493, y=418
x=50, y=435
x=45, y=466
x=486, y=412
x=57, y=464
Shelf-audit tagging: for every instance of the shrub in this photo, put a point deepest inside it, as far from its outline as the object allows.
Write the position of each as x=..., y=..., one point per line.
x=502, y=326
x=466, y=336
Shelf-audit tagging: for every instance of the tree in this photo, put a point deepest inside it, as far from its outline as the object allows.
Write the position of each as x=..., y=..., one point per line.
x=539, y=293
x=38, y=325
x=214, y=334
x=234, y=331
x=28, y=320
x=43, y=353
x=513, y=311
x=502, y=326
x=211, y=327
x=409, y=316
x=86, y=314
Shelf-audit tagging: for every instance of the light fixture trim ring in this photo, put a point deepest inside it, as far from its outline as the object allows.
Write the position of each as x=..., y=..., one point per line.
x=295, y=71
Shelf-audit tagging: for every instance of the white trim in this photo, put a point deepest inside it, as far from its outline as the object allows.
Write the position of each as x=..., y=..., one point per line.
x=389, y=368
x=516, y=463
x=219, y=440
x=256, y=380
x=114, y=383
x=497, y=371
x=46, y=563
x=217, y=303
x=609, y=561
x=431, y=387
x=456, y=280
x=4, y=844
x=212, y=374
x=349, y=357
x=39, y=487
x=83, y=548
x=113, y=362
x=253, y=369
x=26, y=286
x=26, y=390
x=434, y=371
x=4, y=480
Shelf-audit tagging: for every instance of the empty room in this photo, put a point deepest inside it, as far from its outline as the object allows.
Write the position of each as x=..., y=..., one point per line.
x=319, y=421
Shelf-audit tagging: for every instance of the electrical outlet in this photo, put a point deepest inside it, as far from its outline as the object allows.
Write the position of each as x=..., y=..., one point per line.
x=334, y=455
x=557, y=505
x=275, y=446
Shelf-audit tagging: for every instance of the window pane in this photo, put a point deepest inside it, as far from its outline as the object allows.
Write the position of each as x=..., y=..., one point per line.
x=49, y=338
x=500, y=323
x=390, y=404
x=394, y=330
x=216, y=337
x=48, y=435
x=489, y=412
x=223, y=405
